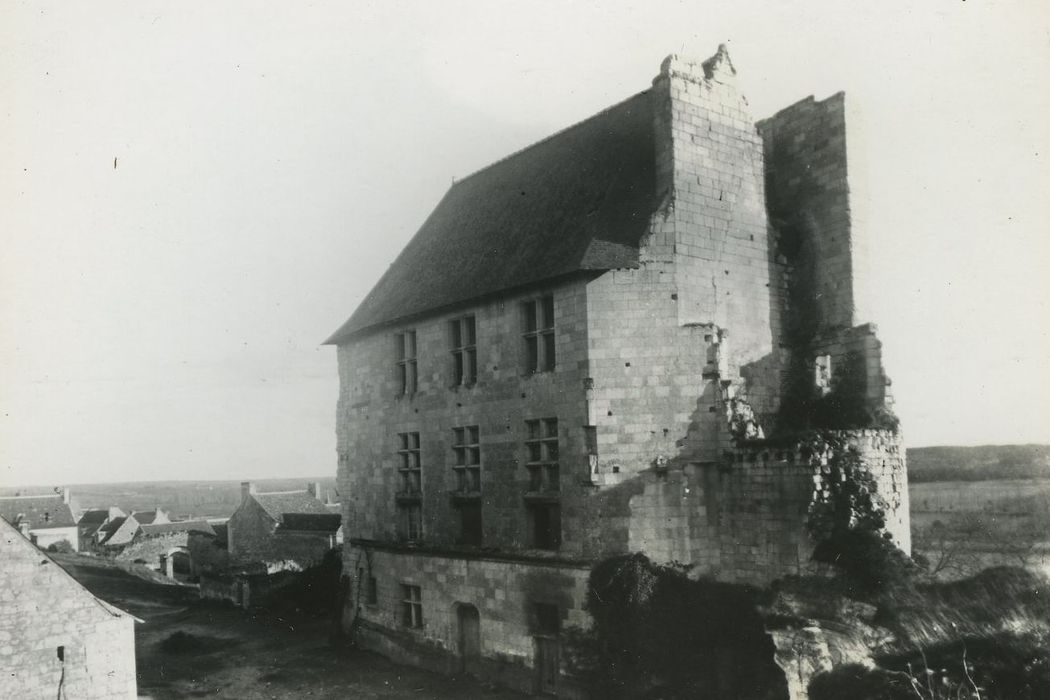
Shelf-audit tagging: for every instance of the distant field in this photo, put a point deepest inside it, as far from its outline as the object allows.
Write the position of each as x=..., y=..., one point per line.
x=183, y=499
x=979, y=463
x=998, y=495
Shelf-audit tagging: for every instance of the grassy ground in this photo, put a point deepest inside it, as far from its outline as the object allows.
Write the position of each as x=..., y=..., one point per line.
x=186, y=648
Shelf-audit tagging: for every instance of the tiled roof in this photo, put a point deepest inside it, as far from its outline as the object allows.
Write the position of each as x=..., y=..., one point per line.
x=123, y=532
x=310, y=522
x=41, y=512
x=181, y=526
x=278, y=503
x=96, y=516
x=114, y=524
x=146, y=517
x=578, y=201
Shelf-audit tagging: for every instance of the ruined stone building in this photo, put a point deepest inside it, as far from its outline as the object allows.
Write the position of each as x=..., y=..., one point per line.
x=166, y=547
x=283, y=530
x=45, y=519
x=603, y=344
x=57, y=640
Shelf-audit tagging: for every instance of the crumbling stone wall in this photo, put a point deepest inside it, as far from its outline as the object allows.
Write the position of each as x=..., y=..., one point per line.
x=743, y=519
x=42, y=611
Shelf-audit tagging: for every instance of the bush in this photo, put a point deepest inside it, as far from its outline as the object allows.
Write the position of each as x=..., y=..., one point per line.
x=860, y=683
x=60, y=547
x=871, y=563
x=658, y=633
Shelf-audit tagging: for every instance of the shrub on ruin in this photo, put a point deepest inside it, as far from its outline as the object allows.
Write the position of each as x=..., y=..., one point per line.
x=658, y=633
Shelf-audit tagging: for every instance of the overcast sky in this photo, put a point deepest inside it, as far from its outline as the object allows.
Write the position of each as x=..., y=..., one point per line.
x=193, y=196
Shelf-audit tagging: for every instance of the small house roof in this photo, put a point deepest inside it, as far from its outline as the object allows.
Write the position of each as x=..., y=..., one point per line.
x=40, y=512
x=94, y=516
x=277, y=504
x=310, y=522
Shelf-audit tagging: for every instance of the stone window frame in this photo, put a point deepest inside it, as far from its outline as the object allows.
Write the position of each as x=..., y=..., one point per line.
x=537, y=316
x=542, y=455
x=463, y=338
x=544, y=523
x=466, y=451
x=410, y=517
x=411, y=606
x=410, y=464
x=466, y=497
x=406, y=351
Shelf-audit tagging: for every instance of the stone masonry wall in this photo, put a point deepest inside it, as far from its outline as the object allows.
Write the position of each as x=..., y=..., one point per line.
x=43, y=609
x=710, y=164
x=742, y=520
x=150, y=549
x=503, y=592
x=371, y=414
x=809, y=202
x=254, y=537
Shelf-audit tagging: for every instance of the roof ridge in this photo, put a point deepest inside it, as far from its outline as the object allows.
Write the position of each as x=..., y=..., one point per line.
x=41, y=495
x=547, y=138
x=278, y=493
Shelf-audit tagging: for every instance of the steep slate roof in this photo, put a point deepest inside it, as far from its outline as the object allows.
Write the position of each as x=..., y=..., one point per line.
x=277, y=504
x=181, y=526
x=575, y=202
x=310, y=522
x=95, y=516
x=124, y=531
x=41, y=512
x=113, y=525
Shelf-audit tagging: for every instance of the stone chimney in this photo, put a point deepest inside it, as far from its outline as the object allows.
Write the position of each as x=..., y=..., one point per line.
x=247, y=488
x=314, y=490
x=713, y=225
x=65, y=495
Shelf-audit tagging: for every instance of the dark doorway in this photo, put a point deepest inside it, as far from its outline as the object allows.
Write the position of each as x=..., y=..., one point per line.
x=547, y=659
x=469, y=642
x=546, y=626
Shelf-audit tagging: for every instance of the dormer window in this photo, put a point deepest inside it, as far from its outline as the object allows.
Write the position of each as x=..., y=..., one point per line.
x=539, y=334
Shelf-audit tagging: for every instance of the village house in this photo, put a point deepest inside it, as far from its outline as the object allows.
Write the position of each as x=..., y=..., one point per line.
x=56, y=638
x=603, y=344
x=284, y=530
x=91, y=523
x=46, y=520
x=120, y=531
x=166, y=547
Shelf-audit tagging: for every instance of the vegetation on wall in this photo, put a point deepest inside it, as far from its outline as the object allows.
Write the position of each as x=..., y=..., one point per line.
x=658, y=633
x=844, y=407
x=847, y=518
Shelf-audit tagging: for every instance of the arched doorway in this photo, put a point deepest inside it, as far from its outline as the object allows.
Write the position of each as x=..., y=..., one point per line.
x=468, y=642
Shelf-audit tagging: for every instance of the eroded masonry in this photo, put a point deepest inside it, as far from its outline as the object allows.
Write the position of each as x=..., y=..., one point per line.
x=607, y=343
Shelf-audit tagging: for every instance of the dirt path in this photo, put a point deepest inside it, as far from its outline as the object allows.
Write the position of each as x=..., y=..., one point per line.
x=186, y=648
